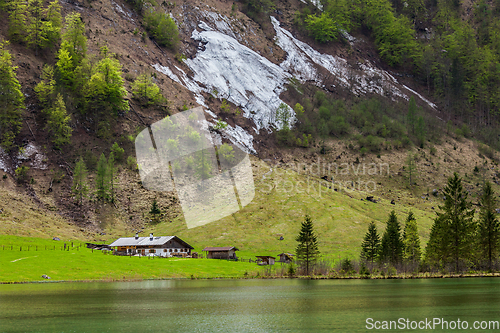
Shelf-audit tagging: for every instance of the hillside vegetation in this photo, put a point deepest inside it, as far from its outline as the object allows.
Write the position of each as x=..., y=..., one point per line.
x=77, y=86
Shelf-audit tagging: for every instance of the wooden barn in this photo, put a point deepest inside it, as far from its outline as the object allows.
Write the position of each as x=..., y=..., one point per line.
x=162, y=246
x=285, y=257
x=225, y=252
x=265, y=260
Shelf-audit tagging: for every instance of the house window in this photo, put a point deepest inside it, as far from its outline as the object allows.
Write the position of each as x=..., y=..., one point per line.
x=170, y=250
x=165, y=250
x=175, y=250
x=151, y=251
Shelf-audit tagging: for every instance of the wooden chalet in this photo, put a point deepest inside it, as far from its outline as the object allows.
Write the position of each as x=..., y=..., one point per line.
x=163, y=246
x=285, y=257
x=265, y=260
x=225, y=252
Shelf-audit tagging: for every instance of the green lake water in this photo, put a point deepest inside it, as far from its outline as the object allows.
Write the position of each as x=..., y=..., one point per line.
x=246, y=305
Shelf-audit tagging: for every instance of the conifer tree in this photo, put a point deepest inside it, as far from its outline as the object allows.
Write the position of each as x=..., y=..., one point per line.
x=73, y=38
x=391, y=247
x=11, y=99
x=145, y=90
x=101, y=183
x=370, y=247
x=451, y=238
x=35, y=36
x=17, y=20
x=155, y=210
x=307, y=250
x=489, y=226
x=80, y=187
x=45, y=90
x=52, y=24
x=411, y=240
x=58, y=123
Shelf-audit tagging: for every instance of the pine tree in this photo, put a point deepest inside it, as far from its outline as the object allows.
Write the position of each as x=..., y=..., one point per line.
x=105, y=93
x=411, y=167
x=80, y=187
x=145, y=90
x=58, y=123
x=307, y=250
x=370, y=247
x=155, y=210
x=65, y=68
x=35, y=36
x=411, y=240
x=489, y=226
x=53, y=23
x=73, y=38
x=452, y=233
x=101, y=183
x=17, y=20
x=45, y=90
x=391, y=247
x=11, y=99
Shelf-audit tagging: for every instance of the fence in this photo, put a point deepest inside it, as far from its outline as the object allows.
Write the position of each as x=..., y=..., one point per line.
x=65, y=247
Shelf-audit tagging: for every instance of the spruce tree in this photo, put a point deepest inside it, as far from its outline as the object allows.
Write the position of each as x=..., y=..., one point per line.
x=53, y=23
x=73, y=38
x=391, y=247
x=35, y=36
x=451, y=238
x=58, y=123
x=411, y=240
x=17, y=20
x=307, y=250
x=370, y=247
x=155, y=210
x=45, y=90
x=145, y=90
x=101, y=182
x=489, y=226
x=80, y=187
x=11, y=99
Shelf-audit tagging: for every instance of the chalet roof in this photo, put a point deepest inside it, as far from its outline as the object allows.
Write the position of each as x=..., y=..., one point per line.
x=145, y=241
x=265, y=257
x=286, y=254
x=219, y=249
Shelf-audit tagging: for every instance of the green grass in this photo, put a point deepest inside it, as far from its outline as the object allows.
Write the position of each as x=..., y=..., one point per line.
x=340, y=218
x=80, y=263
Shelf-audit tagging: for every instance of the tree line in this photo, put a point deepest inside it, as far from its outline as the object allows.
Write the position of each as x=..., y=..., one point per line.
x=457, y=242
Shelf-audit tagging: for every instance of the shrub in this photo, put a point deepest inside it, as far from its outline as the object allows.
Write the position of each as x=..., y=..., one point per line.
x=22, y=173
x=163, y=28
x=117, y=151
x=132, y=163
x=146, y=91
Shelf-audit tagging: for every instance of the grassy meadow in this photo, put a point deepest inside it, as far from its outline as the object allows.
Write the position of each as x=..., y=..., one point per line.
x=27, y=259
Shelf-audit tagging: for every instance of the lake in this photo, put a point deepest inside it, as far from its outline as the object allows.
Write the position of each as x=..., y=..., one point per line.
x=247, y=305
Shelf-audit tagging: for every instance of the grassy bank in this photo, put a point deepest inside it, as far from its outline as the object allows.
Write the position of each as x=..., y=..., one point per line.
x=25, y=259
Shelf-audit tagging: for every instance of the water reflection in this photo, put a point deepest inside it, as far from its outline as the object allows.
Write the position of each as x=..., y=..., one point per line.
x=241, y=305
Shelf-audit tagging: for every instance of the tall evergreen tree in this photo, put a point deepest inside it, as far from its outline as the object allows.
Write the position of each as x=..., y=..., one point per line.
x=411, y=240
x=17, y=20
x=101, y=182
x=391, y=247
x=451, y=238
x=489, y=226
x=80, y=187
x=52, y=24
x=73, y=38
x=11, y=99
x=35, y=36
x=370, y=247
x=307, y=250
x=58, y=123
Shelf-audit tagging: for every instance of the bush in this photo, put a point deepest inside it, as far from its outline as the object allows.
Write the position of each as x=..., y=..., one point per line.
x=117, y=151
x=132, y=163
x=22, y=173
x=163, y=28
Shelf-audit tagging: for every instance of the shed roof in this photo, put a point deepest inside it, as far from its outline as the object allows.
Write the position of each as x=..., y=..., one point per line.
x=145, y=241
x=217, y=249
x=265, y=257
